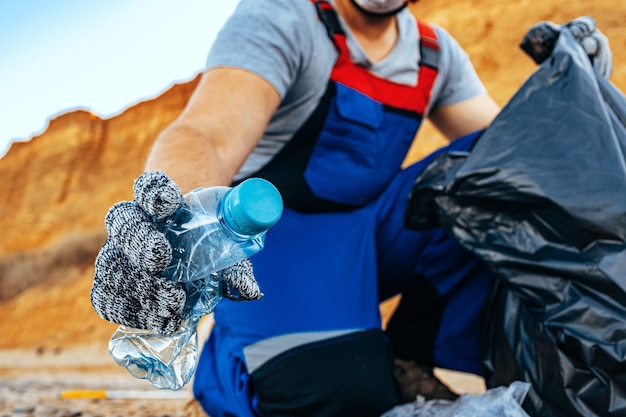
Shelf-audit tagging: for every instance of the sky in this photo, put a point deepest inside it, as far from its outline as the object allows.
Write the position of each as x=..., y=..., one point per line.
x=100, y=55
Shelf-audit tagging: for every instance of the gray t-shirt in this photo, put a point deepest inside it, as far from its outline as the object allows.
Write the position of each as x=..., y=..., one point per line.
x=284, y=42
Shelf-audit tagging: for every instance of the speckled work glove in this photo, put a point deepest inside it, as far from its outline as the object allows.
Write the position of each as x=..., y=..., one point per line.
x=540, y=40
x=128, y=288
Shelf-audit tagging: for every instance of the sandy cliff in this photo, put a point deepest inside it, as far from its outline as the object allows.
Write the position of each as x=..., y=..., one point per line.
x=64, y=180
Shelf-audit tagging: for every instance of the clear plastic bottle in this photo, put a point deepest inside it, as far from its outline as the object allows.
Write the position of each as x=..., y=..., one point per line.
x=216, y=228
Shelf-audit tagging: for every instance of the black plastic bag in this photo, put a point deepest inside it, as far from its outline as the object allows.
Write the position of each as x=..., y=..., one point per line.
x=541, y=198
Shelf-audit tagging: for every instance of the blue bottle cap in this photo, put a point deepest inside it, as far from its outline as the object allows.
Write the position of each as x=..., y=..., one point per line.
x=252, y=207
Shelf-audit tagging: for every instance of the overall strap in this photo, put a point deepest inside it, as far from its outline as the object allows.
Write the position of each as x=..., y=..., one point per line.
x=429, y=60
x=380, y=89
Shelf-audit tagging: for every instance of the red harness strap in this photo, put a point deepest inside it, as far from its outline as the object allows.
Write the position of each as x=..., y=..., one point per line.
x=402, y=96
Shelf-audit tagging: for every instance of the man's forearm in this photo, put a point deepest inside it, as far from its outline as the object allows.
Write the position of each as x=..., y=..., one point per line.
x=189, y=158
x=220, y=126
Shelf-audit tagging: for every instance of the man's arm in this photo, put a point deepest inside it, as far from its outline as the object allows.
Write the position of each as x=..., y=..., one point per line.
x=222, y=123
x=465, y=117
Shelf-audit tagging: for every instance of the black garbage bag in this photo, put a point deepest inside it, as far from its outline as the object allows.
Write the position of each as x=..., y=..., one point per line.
x=541, y=198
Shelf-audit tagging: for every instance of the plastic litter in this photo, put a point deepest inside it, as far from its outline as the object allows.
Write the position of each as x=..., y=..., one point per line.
x=216, y=228
x=495, y=402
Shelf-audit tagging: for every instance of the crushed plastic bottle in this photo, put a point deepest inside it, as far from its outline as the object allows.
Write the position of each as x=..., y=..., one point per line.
x=216, y=228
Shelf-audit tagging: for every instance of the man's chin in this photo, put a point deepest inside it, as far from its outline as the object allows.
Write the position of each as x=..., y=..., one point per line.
x=381, y=15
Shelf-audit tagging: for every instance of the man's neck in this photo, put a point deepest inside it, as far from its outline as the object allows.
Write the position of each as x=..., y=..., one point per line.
x=377, y=35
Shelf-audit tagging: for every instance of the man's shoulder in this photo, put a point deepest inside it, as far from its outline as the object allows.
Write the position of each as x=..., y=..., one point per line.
x=296, y=8
x=448, y=45
x=292, y=18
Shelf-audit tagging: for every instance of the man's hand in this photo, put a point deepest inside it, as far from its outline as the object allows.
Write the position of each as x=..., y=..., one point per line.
x=594, y=42
x=540, y=40
x=128, y=288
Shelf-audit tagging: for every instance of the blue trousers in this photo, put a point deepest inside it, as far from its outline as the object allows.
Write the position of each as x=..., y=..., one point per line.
x=329, y=272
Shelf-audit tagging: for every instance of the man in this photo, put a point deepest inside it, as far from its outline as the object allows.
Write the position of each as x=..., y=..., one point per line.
x=324, y=99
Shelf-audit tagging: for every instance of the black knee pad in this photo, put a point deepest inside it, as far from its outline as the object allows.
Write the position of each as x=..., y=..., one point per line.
x=349, y=375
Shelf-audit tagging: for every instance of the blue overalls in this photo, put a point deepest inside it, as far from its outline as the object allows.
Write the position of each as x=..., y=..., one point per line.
x=339, y=249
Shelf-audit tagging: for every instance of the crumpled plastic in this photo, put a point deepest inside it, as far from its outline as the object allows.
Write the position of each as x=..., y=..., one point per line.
x=496, y=402
x=541, y=198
